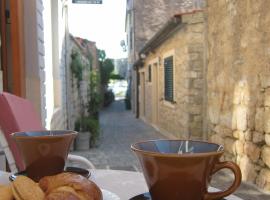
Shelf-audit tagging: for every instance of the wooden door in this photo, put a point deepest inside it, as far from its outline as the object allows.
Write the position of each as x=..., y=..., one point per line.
x=155, y=98
x=12, y=49
x=142, y=94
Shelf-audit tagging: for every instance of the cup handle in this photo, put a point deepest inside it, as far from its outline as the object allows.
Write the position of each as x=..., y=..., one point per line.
x=237, y=180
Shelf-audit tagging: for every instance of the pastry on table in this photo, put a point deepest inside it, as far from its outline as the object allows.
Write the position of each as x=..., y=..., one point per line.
x=69, y=186
x=6, y=192
x=24, y=188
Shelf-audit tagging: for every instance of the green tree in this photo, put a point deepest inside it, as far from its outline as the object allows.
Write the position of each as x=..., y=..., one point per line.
x=106, y=69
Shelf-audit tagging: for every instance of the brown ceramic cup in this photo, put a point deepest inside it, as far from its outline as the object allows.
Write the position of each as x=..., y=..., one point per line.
x=44, y=152
x=182, y=169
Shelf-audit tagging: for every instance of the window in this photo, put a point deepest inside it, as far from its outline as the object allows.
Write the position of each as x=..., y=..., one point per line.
x=149, y=73
x=168, y=78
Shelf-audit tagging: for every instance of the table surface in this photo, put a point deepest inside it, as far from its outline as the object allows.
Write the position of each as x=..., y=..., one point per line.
x=125, y=184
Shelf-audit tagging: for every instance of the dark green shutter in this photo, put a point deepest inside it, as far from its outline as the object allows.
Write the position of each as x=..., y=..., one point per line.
x=168, y=78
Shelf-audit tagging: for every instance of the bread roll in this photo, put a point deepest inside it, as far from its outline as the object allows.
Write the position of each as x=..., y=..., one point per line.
x=23, y=188
x=73, y=186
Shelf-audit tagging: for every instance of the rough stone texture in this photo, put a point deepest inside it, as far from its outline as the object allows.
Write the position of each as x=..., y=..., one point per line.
x=263, y=180
x=238, y=81
x=181, y=118
x=267, y=139
x=73, y=107
x=248, y=169
x=267, y=120
x=252, y=150
x=265, y=155
x=258, y=137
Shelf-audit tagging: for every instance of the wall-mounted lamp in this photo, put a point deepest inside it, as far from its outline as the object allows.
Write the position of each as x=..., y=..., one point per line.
x=142, y=56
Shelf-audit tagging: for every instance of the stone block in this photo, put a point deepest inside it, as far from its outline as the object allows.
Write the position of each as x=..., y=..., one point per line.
x=247, y=169
x=266, y=155
x=225, y=118
x=259, y=122
x=195, y=109
x=265, y=80
x=198, y=118
x=196, y=65
x=267, y=139
x=223, y=131
x=239, y=147
x=213, y=112
x=195, y=48
x=257, y=137
x=198, y=83
x=230, y=145
x=252, y=150
x=241, y=93
x=194, y=56
x=239, y=135
x=267, y=97
x=240, y=117
x=263, y=179
x=267, y=120
x=248, y=135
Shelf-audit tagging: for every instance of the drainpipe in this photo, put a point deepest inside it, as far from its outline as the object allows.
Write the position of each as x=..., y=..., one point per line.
x=137, y=92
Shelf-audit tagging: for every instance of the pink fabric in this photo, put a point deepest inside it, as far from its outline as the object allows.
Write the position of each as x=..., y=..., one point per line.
x=16, y=115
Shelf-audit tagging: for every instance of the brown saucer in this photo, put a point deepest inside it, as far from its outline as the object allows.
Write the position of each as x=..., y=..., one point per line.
x=146, y=196
x=84, y=172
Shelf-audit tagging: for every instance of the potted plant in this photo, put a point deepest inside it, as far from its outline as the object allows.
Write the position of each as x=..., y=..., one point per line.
x=82, y=141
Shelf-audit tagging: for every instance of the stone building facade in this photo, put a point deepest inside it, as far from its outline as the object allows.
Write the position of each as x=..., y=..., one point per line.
x=182, y=39
x=238, y=84
x=143, y=20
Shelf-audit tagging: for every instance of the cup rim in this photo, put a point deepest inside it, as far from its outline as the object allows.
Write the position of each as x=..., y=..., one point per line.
x=157, y=154
x=66, y=132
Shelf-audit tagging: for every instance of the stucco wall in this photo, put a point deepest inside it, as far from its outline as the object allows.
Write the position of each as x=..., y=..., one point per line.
x=182, y=118
x=31, y=41
x=239, y=84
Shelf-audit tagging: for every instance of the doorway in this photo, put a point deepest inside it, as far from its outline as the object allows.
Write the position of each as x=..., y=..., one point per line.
x=155, y=99
x=142, y=94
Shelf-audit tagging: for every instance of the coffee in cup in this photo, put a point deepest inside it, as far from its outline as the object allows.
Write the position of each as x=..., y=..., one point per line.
x=182, y=169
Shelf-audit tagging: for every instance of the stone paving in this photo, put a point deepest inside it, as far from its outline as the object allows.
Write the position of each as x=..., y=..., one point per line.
x=119, y=129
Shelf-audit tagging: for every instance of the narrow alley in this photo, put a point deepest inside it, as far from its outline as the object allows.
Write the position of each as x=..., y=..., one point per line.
x=119, y=129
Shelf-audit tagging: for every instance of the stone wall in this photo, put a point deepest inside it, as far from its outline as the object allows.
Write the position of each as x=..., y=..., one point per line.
x=74, y=109
x=183, y=117
x=239, y=84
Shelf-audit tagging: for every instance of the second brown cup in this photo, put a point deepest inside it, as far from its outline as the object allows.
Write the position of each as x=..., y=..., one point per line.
x=182, y=169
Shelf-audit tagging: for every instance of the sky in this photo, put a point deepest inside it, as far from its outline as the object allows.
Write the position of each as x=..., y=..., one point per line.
x=102, y=23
